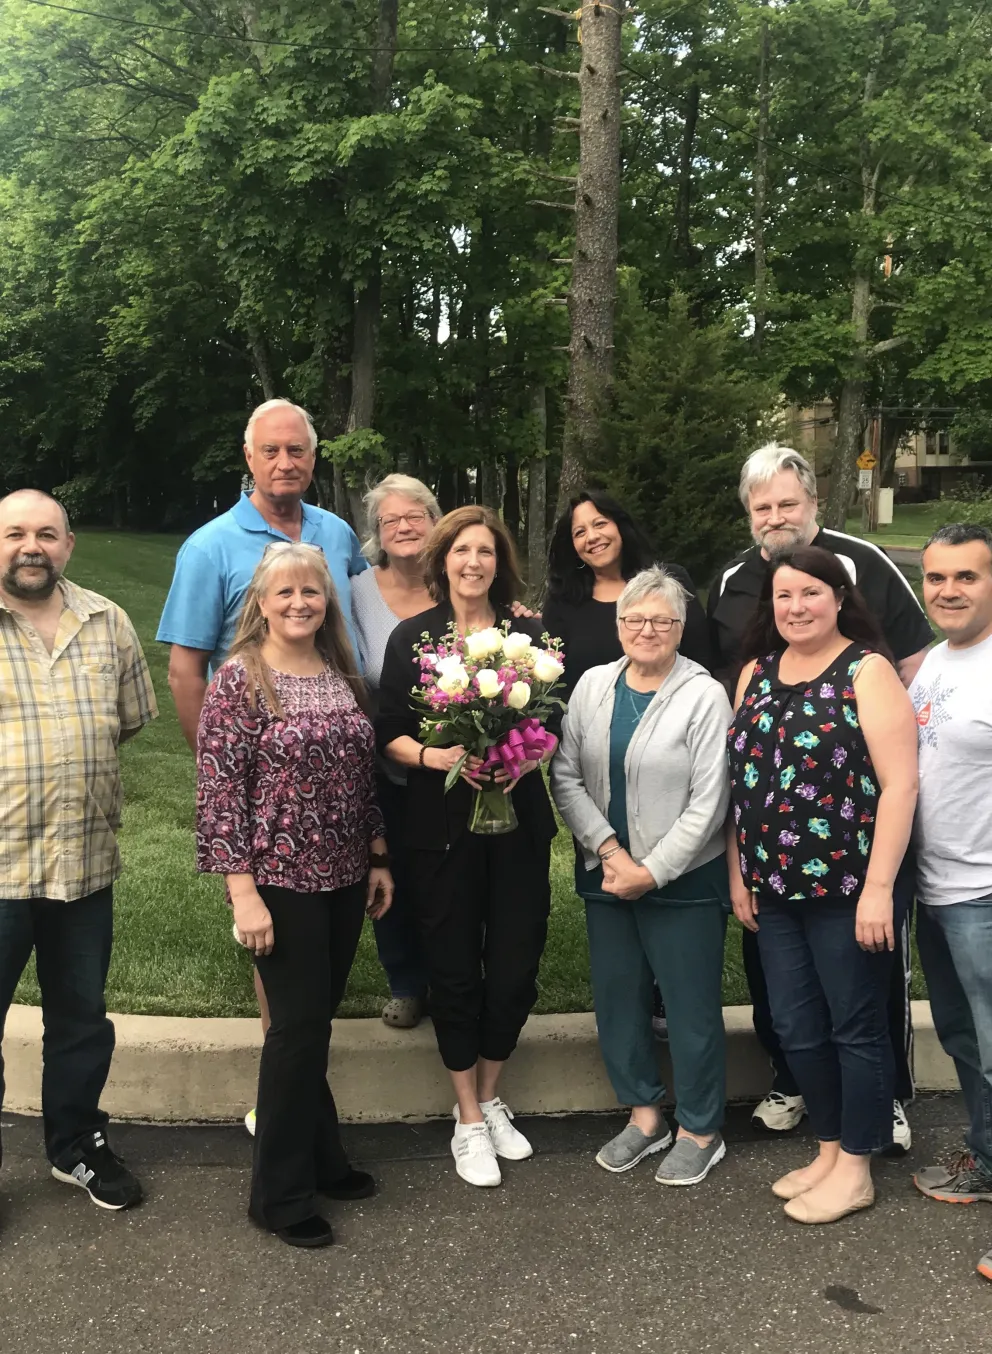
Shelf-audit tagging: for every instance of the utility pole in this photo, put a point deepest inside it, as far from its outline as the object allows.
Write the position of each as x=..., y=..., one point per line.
x=592, y=294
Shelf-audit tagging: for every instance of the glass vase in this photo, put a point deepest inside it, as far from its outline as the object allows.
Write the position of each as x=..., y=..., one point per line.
x=492, y=811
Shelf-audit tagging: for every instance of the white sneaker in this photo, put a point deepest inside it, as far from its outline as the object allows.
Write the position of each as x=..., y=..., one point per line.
x=250, y=1122
x=779, y=1113
x=475, y=1160
x=508, y=1142
x=902, y=1134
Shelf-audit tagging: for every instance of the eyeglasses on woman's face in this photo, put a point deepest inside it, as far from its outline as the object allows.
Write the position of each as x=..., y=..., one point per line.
x=662, y=624
x=415, y=518
x=279, y=547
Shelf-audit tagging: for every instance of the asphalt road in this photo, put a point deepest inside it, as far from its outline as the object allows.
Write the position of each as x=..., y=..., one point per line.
x=563, y=1258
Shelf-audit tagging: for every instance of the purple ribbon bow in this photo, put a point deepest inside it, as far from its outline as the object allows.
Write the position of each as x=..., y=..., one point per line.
x=528, y=741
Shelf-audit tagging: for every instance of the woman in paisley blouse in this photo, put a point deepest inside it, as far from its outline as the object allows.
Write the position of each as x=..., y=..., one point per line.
x=287, y=812
x=823, y=789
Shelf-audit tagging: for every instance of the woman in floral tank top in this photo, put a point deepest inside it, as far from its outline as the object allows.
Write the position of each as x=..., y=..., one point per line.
x=823, y=786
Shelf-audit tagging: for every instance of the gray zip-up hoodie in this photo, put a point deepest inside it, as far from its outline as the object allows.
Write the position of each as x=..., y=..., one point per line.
x=678, y=780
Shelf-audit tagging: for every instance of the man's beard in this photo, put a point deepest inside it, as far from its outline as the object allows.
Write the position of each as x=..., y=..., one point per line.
x=783, y=538
x=30, y=592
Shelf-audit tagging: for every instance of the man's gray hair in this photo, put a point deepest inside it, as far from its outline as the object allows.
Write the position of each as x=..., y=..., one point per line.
x=649, y=582
x=771, y=460
x=267, y=408
x=407, y=487
x=40, y=493
x=960, y=533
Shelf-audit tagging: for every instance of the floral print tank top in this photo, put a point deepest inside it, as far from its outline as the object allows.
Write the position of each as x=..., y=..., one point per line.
x=803, y=786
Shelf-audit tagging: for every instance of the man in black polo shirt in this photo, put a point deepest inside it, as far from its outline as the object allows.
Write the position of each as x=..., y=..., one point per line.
x=778, y=489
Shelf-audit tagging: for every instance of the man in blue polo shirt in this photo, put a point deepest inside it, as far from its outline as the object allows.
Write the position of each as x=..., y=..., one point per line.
x=215, y=565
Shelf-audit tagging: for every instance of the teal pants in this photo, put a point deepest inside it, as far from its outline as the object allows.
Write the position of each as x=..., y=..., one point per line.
x=630, y=946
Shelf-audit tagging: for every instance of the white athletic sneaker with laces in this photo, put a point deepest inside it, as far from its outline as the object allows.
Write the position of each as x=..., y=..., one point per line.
x=475, y=1160
x=902, y=1134
x=508, y=1142
x=779, y=1113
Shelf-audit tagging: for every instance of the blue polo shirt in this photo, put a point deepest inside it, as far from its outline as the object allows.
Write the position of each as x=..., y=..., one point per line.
x=215, y=566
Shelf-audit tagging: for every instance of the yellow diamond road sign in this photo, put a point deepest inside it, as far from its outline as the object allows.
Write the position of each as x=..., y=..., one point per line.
x=866, y=461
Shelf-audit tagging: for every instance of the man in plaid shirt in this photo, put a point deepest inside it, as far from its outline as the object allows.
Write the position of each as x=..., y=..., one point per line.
x=73, y=685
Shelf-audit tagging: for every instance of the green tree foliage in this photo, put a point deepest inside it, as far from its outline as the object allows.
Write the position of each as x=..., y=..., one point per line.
x=684, y=414
x=195, y=196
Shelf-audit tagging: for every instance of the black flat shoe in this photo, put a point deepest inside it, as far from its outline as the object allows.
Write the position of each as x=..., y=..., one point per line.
x=354, y=1185
x=311, y=1232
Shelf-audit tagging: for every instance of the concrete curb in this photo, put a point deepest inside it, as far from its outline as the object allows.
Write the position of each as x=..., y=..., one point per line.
x=175, y=1070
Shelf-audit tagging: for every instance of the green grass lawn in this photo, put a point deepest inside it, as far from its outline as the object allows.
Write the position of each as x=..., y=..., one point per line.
x=912, y=524
x=173, y=952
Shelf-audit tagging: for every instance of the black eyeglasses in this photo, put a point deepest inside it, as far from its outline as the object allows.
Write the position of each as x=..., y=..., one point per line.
x=662, y=624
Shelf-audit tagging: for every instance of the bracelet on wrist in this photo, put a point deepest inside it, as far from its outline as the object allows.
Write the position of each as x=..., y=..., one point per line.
x=379, y=860
x=423, y=754
x=605, y=855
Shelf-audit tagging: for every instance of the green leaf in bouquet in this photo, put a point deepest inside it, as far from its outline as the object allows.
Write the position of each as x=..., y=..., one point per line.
x=455, y=772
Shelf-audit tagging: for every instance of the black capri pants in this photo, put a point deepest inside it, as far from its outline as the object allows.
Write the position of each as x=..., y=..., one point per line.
x=482, y=908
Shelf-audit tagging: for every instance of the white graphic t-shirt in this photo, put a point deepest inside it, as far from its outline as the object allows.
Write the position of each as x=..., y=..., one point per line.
x=952, y=696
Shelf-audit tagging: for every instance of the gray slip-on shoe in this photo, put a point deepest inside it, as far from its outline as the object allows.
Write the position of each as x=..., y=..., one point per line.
x=632, y=1146
x=688, y=1163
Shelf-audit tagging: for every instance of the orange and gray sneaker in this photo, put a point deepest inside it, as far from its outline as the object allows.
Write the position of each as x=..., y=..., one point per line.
x=962, y=1181
x=984, y=1266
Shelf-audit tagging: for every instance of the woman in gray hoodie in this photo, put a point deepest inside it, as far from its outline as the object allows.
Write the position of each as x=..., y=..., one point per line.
x=642, y=780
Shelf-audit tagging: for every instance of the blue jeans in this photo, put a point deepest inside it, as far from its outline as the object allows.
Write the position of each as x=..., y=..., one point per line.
x=72, y=944
x=828, y=1000
x=397, y=937
x=956, y=951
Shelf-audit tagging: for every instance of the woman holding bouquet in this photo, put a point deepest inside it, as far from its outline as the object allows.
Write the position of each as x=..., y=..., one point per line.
x=482, y=902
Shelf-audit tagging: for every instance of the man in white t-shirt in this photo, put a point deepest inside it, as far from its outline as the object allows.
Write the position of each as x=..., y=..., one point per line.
x=952, y=695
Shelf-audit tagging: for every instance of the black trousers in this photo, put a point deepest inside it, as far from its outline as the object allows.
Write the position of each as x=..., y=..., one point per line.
x=72, y=944
x=899, y=1012
x=482, y=907
x=297, y=1144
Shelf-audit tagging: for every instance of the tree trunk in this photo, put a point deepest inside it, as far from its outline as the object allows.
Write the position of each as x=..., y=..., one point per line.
x=851, y=412
x=368, y=298
x=592, y=295
x=511, y=495
x=761, y=192
x=488, y=485
x=683, y=207
x=537, y=498
x=262, y=357
x=889, y=441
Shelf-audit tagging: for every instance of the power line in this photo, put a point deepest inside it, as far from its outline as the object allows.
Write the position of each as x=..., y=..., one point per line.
x=264, y=42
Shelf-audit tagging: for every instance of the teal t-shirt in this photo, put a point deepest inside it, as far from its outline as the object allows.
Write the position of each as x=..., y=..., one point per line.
x=706, y=884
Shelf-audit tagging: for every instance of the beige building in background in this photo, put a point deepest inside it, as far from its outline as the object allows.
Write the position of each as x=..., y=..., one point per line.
x=925, y=461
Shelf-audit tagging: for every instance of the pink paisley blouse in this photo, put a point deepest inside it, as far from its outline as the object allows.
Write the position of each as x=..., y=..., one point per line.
x=289, y=801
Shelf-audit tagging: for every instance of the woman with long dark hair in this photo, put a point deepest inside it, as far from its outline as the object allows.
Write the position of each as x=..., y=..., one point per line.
x=596, y=549
x=823, y=781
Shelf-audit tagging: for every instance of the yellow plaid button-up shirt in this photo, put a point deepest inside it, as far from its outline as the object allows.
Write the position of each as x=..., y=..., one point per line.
x=62, y=715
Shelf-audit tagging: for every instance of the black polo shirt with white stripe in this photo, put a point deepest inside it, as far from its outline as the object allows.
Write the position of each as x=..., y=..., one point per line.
x=890, y=598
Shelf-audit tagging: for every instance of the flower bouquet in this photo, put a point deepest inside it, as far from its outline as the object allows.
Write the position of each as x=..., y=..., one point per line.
x=489, y=692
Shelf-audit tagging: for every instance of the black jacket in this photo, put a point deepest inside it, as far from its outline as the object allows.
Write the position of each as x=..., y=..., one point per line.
x=433, y=819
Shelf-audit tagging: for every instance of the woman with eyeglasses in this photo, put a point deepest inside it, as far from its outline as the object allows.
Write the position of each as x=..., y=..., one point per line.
x=287, y=812
x=400, y=515
x=641, y=778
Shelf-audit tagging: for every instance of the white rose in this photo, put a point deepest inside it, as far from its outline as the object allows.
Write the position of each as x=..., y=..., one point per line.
x=547, y=668
x=452, y=675
x=518, y=647
x=483, y=643
x=488, y=683
x=518, y=695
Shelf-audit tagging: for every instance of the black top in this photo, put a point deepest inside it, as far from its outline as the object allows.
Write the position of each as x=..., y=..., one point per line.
x=890, y=599
x=588, y=631
x=433, y=819
x=802, y=783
